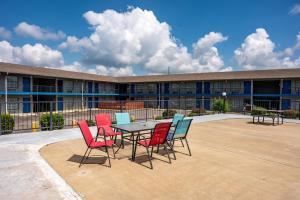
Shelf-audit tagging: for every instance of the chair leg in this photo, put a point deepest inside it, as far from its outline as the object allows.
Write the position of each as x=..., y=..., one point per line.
x=182, y=142
x=152, y=150
x=157, y=149
x=83, y=157
x=113, y=150
x=187, y=144
x=122, y=141
x=168, y=153
x=108, y=156
x=149, y=157
x=87, y=157
x=171, y=147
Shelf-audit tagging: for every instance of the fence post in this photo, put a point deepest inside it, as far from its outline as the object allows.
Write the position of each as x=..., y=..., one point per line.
x=298, y=110
x=146, y=114
x=121, y=106
x=0, y=119
x=168, y=115
x=51, y=115
x=185, y=106
x=90, y=113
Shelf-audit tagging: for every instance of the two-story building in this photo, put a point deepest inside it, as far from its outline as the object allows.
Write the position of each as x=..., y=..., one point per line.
x=29, y=86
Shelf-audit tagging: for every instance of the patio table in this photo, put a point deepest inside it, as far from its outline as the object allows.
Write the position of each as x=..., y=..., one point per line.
x=134, y=129
x=277, y=112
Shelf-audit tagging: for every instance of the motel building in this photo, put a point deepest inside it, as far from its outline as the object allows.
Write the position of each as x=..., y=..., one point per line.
x=28, y=86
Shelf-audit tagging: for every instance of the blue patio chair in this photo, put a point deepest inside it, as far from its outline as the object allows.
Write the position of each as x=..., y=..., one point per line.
x=176, y=118
x=123, y=118
x=180, y=133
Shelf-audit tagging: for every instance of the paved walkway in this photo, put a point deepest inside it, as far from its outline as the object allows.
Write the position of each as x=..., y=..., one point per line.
x=26, y=175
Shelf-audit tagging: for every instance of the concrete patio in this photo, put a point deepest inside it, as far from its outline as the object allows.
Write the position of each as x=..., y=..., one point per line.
x=232, y=159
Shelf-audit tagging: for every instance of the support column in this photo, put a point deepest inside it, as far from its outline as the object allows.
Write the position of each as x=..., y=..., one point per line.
x=251, y=94
x=5, y=85
x=82, y=85
x=202, y=104
x=31, y=96
x=56, y=90
x=280, y=97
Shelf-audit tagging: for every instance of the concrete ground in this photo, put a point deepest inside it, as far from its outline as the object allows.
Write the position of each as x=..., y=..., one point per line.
x=232, y=159
x=26, y=175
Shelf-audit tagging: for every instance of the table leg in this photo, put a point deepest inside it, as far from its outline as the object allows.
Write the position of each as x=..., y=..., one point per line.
x=133, y=145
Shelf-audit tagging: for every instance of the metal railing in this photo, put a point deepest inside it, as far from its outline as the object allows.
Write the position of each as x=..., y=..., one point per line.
x=48, y=115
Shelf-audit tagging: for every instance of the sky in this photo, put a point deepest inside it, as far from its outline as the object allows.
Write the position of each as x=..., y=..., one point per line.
x=142, y=37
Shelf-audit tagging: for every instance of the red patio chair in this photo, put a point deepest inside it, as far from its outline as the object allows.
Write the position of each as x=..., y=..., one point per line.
x=103, y=123
x=158, y=137
x=93, y=143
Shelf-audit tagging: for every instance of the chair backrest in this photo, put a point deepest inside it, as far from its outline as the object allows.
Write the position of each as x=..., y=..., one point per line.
x=122, y=118
x=160, y=133
x=176, y=118
x=86, y=133
x=182, y=128
x=103, y=119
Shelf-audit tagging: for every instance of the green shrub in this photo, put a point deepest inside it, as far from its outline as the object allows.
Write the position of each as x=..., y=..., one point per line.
x=220, y=105
x=196, y=112
x=258, y=111
x=192, y=114
x=58, y=121
x=169, y=113
x=158, y=118
x=7, y=124
x=90, y=122
x=291, y=114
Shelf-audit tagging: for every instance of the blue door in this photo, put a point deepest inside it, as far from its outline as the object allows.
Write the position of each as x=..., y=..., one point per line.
x=286, y=87
x=96, y=102
x=167, y=88
x=26, y=84
x=60, y=86
x=132, y=89
x=286, y=104
x=198, y=103
x=199, y=88
x=26, y=105
x=96, y=88
x=90, y=87
x=90, y=102
x=206, y=87
x=247, y=87
x=207, y=104
x=60, y=103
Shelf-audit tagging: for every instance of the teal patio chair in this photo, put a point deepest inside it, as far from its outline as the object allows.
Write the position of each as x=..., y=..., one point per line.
x=176, y=118
x=122, y=118
x=180, y=133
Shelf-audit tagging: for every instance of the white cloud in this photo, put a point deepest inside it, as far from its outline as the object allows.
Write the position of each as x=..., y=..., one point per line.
x=5, y=34
x=295, y=10
x=30, y=30
x=36, y=55
x=137, y=38
x=257, y=51
x=43, y=56
x=114, y=71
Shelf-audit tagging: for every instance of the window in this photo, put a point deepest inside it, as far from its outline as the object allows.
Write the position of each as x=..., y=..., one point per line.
x=12, y=105
x=12, y=82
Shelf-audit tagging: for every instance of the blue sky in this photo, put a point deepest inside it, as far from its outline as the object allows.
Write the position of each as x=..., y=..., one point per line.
x=274, y=26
